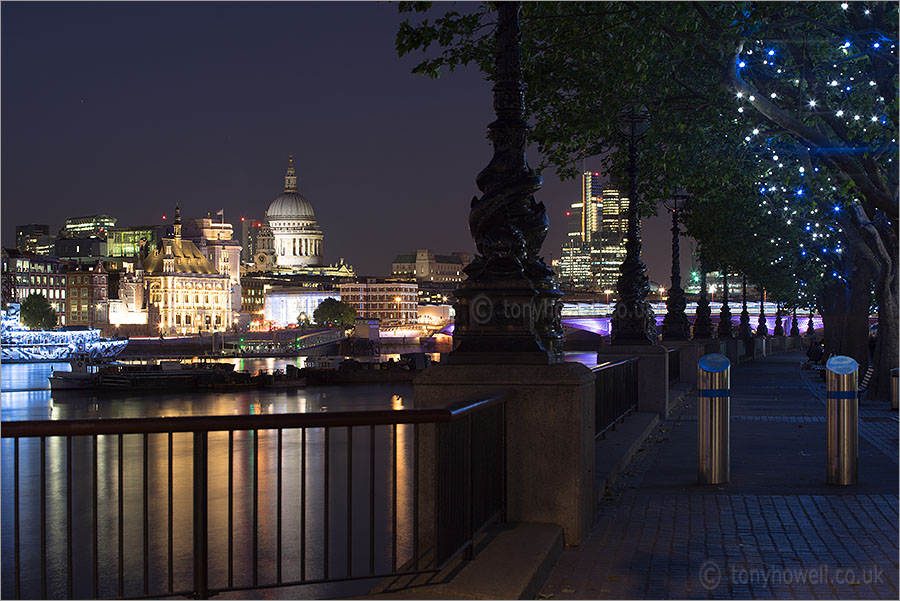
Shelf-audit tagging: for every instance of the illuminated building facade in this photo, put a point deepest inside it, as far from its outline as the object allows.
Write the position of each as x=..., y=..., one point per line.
x=131, y=241
x=594, y=246
x=87, y=289
x=26, y=273
x=389, y=301
x=613, y=230
x=426, y=266
x=297, y=239
x=186, y=293
x=284, y=306
x=34, y=238
x=90, y=225
x=214, y=239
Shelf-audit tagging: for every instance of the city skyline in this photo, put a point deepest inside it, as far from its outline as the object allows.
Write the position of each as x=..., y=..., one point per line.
x=84, y=114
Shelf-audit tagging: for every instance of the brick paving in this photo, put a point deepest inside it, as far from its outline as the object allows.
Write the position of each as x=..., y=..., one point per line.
x=776, y=530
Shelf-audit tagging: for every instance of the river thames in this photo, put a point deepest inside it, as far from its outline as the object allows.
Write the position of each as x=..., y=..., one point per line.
x=26, y=396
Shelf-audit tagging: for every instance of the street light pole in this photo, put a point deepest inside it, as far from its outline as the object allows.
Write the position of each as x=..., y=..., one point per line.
x=744, y=330
x=762, y=331
x=702, y=322
x=726, y=328
x=676, y=325
x=633, y=322
x=508, y=311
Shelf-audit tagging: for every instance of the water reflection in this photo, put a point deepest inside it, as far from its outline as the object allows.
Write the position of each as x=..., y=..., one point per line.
x=302, y=482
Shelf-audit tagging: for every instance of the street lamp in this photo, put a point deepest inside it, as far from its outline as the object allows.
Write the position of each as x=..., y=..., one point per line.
x=633, y=323
x=726, y=328
x=607, y=292
x=509, y=227
x=702, y=322
x=661, y=291
x=744, y=330
x=397, y=300
x=762, y=331
x=676, y=325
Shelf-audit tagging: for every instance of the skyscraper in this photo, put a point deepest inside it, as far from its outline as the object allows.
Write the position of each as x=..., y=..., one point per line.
x=594, y=247
x=611, y=245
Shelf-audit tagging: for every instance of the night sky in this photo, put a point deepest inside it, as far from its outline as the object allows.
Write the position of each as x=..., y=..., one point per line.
x=128, y=109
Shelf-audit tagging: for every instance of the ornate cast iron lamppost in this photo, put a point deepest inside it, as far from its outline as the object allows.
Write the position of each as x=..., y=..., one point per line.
x=810, y=328
x=676, y=325
x=795, y=329
x=633, y=322
x=744, y=330
x=779, y=326
x=702, y=324
x=762, y=331
x=508, y=309
x=726, y=328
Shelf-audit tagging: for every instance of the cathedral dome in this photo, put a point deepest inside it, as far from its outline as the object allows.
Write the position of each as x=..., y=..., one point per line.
x=290, y=204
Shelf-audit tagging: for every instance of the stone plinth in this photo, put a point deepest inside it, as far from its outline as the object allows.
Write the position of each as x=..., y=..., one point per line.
x=653, y=373
x=549, y=432
x=732, y=350
x=711, y=345
x=689, y=352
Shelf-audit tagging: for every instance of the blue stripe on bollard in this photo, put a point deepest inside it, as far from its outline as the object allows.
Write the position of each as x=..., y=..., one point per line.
x=715, y=392
x=841, y=394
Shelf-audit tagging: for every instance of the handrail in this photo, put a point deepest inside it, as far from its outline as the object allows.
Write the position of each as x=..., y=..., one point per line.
x=155, y=425
x=603, y=366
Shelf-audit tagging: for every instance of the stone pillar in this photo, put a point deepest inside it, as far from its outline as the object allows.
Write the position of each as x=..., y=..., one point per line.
x=690, y=352
x=653, y=373
x=550, y=437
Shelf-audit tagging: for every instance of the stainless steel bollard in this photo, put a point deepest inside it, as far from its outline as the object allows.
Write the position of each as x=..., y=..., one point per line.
x=842, y=416
x=713, y=415
x=895, y=388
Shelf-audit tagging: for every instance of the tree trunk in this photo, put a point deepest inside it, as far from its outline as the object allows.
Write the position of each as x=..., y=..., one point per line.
x=887, y=347
x=855, y=339
x=833, y=307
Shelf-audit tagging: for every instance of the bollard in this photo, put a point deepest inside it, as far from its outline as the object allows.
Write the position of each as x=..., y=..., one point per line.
x=895, y=391
x=842, y=414
x=713, y=414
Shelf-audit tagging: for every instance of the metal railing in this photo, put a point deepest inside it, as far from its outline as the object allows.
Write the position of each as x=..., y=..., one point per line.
x=674, y=356
x=616, y=393
x=355, y=478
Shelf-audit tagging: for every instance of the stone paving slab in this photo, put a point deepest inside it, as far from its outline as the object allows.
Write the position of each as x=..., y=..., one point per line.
x=777, y=530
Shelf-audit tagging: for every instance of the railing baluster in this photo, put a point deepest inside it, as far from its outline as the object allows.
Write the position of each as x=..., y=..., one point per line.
x=467, y=459
x=69, y=574
x=95, y=520
x=230, y=508
x=16, y=515
x=43, y=517
x=278, y=519
x=171, y=570
x=302, y=504
x=146, y=515
x=325, y=563
x=415, y=540
x=121, y=468
x=371, y=500
x=394, y=499
x=201, y=523
x=349, y=501
x=255, y=507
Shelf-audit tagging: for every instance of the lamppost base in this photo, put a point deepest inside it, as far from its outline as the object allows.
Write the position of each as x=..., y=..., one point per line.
x=633, y=324
x=507, y=322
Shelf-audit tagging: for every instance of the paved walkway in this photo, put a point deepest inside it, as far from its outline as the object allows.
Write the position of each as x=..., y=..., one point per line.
x=775, y=531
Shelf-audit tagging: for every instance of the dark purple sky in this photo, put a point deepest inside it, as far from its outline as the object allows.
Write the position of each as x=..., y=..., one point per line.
x=128, y=109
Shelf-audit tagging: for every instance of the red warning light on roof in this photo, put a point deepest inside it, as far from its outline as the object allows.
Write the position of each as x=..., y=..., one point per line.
x=164, y=217
x=595, y=173
x=567, y=213
x=242, y=218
